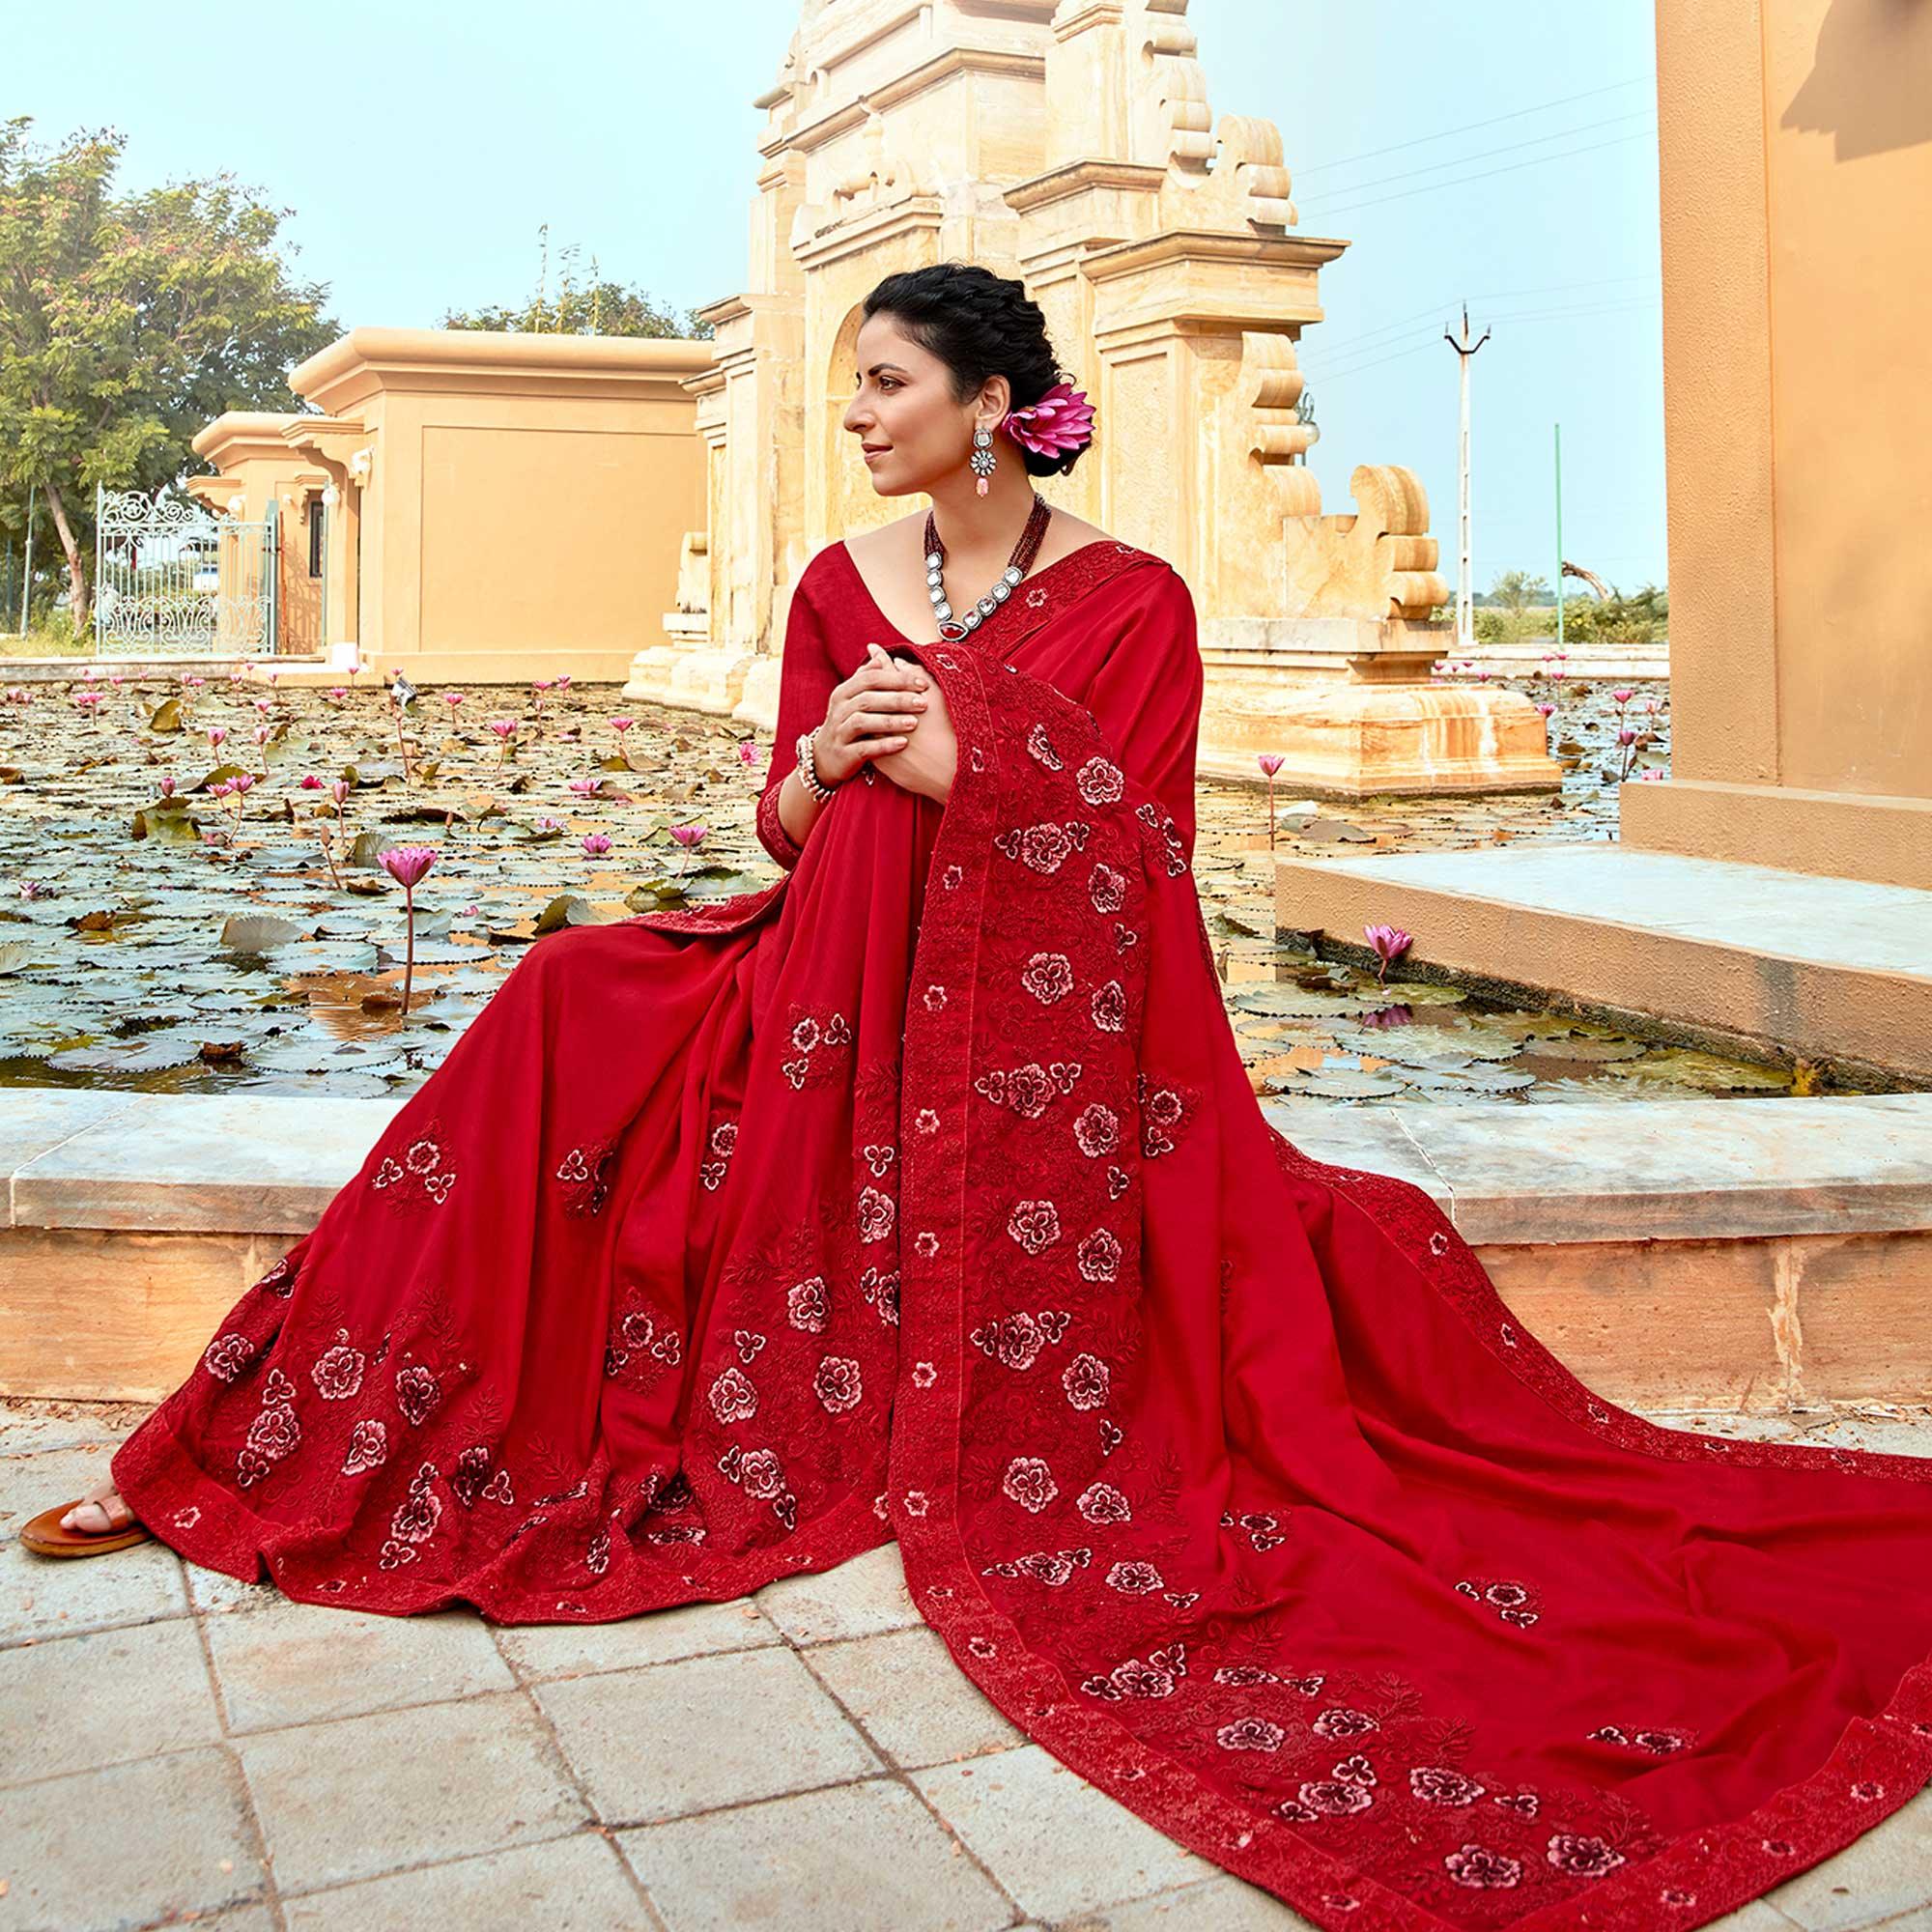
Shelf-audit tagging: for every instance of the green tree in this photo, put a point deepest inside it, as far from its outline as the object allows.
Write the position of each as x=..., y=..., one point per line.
x=1515, y=590
x=127, y=321
x=593, y=307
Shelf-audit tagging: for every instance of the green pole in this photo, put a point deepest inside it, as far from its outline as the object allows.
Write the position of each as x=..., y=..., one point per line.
x=1559, y=536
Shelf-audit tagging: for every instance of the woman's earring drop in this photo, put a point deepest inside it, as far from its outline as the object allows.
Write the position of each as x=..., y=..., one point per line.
x=982, y=457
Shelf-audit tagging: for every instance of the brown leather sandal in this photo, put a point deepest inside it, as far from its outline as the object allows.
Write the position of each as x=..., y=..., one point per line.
x=44, y=1536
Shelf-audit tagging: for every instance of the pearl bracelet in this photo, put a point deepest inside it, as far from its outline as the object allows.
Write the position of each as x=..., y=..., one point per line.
x=807, y=772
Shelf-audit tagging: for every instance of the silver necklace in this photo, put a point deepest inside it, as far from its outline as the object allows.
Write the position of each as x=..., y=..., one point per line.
x=1024, y=552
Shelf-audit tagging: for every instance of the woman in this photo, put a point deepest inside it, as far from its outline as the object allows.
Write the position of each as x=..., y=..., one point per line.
x=923, y=1196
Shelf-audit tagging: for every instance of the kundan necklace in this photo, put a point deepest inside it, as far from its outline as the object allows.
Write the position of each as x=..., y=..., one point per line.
x=1025, y=550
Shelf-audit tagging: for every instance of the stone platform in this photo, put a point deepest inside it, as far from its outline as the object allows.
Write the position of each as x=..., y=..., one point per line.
x=184, y=1747
x=1750, y=1256
x=1836, y=969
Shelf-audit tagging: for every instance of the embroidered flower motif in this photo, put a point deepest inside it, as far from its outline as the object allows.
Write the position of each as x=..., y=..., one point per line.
x=1432, y=1783
x=923, y=1375
x=1103, y=1503
x=1109, y=1007
x=1084, y=1379
x=1585, y=1857
x=186, y=1518
x=279, y=1279
x=1133, y=1579
x=914, y=1502
x=1343, y=1722
x=338, y=1370
x=1106, y=888
x=1101, y=782
x=876, y=1210
x=1482, y=1870
x=368, y=1448
x=227, y=1356
x=951, y=877
x=927, y=1121
x=1096, y=1131
x=926, y=1242
x=734, y=1399
x=1048, y=977
x=1035, y=1224
x=1028, y=1482
x=274, y=1432
x=1099, y=1256
x=838, y=1384
x=935, y=998
x=1040, y=745
x=807, y=1305
x=417, y=1393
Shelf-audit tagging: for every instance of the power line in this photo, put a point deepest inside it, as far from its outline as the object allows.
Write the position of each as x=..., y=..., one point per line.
x=1486, y=153
x=1366, y=337
x=1474, y=127
x=1621, y=304
x=1462, y=180
x=1320, y=380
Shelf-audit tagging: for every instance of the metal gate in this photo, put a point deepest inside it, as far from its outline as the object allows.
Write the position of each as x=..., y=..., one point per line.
x=170, y=579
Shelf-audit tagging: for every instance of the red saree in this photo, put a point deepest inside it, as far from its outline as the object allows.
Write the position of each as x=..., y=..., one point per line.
x=924, y=1195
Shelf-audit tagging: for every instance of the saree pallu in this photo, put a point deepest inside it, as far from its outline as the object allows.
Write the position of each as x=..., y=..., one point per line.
x=925, y=1196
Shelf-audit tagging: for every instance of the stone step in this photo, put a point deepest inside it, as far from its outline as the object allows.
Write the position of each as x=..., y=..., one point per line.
x=1788, y=962
x=1689, y=1254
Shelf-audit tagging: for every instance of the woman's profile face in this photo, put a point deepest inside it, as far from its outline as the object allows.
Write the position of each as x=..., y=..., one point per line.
x=903, y=404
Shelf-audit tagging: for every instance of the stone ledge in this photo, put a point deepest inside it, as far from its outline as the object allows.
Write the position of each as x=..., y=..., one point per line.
x=1744, y=1256
x=1587, y=1171
x=1634, y=1170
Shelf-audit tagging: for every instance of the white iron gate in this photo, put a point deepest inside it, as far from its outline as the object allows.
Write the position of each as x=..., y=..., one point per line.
x=173, y=580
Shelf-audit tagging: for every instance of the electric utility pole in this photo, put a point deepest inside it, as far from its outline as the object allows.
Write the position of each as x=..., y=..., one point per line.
x=1465, y=596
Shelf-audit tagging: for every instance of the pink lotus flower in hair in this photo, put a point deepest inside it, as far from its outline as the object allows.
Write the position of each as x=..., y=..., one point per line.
x=1062, y=419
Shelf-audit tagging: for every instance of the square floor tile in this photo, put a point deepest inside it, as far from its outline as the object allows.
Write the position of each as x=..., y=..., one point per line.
x=363, y=1796
x=676, y=1738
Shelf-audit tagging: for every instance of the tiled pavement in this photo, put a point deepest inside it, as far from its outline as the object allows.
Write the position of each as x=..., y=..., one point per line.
x=179, y=1747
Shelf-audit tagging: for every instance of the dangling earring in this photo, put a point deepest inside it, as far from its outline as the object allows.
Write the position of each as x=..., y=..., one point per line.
x=982, y=457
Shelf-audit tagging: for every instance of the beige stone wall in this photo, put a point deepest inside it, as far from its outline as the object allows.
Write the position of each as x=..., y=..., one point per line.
x=1796, y=145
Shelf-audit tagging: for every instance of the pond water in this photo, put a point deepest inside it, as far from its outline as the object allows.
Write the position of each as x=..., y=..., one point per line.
x=193, y=943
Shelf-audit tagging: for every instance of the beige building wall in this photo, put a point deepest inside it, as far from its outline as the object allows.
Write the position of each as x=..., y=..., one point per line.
x=1796, y=142
x=502, y=507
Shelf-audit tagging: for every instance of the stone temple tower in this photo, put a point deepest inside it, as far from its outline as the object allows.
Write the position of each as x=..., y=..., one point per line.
x=1071, y=143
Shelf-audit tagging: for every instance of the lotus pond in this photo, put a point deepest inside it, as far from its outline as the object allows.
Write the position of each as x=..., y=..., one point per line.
x=169, y=929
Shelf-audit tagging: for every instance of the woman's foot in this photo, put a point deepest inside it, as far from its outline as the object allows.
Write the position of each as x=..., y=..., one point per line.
x=99, y=1513
x=97, y=1523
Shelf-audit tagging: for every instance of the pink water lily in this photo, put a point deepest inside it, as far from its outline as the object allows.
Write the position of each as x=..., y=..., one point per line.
x=690, y=837
x=310, y=781
x=407, y=865
x=1390, y=942
x=622, y=724
x=586, y=788
x=1270, y=762
x=596, y=844
x=215, y=734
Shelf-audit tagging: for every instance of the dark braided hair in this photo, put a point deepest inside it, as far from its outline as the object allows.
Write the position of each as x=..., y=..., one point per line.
x=979, y=324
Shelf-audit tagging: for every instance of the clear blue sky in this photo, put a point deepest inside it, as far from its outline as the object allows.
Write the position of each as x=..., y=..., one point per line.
x=420, y=148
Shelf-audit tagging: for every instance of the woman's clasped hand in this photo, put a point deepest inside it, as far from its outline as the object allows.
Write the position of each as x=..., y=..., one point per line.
x=893, y=714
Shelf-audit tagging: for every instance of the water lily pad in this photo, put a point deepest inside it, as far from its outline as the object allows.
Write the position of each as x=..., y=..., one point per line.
x=258, y=932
